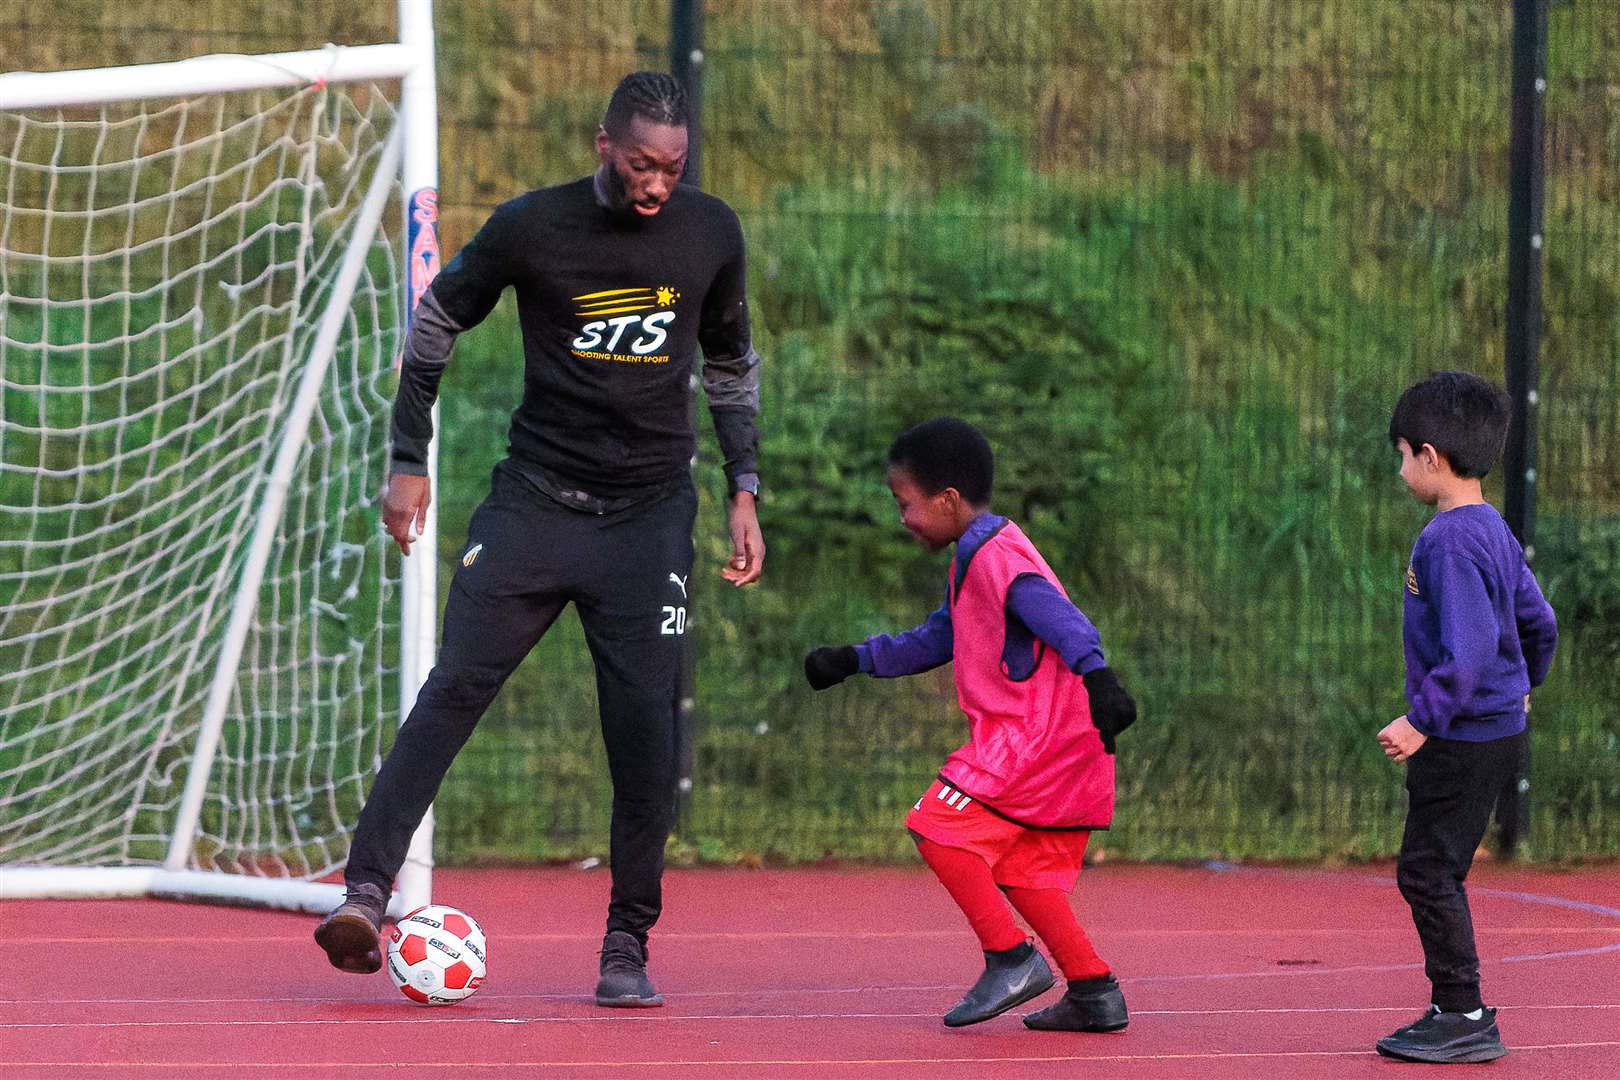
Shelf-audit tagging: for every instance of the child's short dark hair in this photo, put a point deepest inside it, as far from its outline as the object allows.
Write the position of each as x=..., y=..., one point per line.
x=1462, y=416
x=947, y=453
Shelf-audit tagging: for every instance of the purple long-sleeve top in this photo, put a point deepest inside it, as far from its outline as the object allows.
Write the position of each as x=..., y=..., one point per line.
x=1477, y=632
x=1035, y=610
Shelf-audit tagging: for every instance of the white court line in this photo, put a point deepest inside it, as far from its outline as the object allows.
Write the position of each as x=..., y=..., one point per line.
x=1294, y=971
x=721, y=1063
x=417, y=1017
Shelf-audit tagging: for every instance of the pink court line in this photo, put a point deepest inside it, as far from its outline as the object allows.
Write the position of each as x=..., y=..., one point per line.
x=727, y=1063
x=809, y=935
x=1212, y=976
x=485, y=996
x=673, y=1018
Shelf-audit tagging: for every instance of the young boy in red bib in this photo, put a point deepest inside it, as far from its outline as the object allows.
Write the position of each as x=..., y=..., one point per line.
x=1009, y=816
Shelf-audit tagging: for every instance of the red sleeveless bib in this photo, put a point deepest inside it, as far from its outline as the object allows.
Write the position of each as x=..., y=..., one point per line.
x=1033, y=753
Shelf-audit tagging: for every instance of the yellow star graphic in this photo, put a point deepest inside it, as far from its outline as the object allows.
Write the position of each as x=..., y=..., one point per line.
x=667, y=296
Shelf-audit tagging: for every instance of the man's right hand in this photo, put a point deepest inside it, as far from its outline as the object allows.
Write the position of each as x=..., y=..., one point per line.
x=405, y=502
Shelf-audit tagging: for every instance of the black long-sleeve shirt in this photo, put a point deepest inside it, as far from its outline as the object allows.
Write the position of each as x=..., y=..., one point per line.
x=612, y=310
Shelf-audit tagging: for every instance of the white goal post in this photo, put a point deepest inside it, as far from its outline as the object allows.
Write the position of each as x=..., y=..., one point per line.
x=206, y=272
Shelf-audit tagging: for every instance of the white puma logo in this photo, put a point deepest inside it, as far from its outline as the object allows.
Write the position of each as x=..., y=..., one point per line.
x=679, y=581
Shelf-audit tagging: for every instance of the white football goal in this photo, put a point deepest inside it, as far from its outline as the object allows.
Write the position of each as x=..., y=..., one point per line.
x=206, y=271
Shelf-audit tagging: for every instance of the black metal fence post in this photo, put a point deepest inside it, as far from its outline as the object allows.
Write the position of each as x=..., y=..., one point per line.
x=686, y=64
x=1526, y=175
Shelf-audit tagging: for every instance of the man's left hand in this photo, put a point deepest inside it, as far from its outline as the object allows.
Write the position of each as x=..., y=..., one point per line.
x=1400, y=739
x=747, y=561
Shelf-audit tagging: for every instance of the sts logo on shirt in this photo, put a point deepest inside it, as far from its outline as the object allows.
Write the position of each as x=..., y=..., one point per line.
x=636, y=319
x=1411, y=582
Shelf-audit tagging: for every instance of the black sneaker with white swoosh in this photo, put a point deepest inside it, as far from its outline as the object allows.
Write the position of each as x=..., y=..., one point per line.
x=1010, y=978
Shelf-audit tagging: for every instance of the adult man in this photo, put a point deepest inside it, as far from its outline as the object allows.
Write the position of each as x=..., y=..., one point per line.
x=619, y=277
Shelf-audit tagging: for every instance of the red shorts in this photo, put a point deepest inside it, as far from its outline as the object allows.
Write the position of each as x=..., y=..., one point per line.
x=1020, y=857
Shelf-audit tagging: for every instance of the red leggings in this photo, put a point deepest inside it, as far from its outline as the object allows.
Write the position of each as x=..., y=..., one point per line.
x=967, y=877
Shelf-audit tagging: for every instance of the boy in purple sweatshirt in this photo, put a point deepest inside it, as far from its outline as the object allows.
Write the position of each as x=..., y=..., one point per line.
x=1478, y=636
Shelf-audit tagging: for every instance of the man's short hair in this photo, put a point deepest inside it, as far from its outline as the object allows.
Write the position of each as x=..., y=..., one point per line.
x=651, y=95
x=947, y=453
x=1461, y=415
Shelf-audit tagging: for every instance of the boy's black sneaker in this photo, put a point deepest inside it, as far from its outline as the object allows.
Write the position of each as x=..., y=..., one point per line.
x=1091, y=1005
x=1402, y=1032
x=349, y=934
x=1446, y=1038
x=624, y=983
x=1011, y=977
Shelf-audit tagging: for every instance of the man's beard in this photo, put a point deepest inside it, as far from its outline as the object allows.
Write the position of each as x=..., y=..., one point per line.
x=614, y=194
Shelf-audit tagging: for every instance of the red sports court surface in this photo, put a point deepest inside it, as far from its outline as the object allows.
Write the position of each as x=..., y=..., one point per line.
x=818, y=973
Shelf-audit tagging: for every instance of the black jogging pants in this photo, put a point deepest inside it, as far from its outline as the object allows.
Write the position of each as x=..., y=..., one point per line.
x=1451, y=788
x=526, y=557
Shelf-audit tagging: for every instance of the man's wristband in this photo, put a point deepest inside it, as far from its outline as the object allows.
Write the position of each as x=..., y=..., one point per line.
x=748, y=482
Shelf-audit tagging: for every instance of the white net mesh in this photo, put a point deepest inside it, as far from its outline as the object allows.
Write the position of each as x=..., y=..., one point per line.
x=162, y=271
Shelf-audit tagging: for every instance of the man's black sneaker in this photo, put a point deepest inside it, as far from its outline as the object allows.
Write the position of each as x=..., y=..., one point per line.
x=349, y=934
x=1092, y=1005
x=1446, y=1038
x=1010, y=978
x=624, y=983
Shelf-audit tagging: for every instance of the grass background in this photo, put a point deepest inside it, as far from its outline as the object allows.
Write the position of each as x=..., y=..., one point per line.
x=1177, y=258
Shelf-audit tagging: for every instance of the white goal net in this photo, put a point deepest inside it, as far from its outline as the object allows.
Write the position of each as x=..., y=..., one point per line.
x=201, y=302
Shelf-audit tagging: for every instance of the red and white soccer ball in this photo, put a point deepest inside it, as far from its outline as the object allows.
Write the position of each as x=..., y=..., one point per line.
x=436, y=955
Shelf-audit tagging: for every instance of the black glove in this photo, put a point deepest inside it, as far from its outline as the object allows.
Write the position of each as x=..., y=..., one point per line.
x=1112, y=709
x=830, y=666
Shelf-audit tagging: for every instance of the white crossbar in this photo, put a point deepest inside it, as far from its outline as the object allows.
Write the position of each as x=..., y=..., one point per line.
x=204, y=75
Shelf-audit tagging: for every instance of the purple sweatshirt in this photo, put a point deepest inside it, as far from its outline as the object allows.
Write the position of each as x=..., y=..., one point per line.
x=1036, y=612
x=1477, y=631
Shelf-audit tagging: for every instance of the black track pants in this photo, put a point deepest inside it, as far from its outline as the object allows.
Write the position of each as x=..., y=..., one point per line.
x=526, y=557
x=1451, y=789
